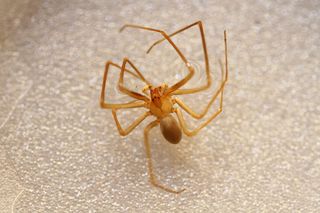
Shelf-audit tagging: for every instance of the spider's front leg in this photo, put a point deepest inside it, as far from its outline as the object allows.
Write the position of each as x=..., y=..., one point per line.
x=183, y=81
x=103, y=103
x=152, y=177
x=213, y=98
x=205, y=53
x=124, y=89
x=224, y=79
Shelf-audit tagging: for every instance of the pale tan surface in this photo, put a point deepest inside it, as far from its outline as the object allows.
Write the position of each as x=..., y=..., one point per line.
x=61, y=153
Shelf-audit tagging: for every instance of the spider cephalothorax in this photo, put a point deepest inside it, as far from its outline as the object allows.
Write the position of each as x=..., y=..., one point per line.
x=157, y=93
x=159, y=101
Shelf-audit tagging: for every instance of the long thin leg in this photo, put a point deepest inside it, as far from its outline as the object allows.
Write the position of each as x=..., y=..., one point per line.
x=104, y=104
x=124, y=89
x=216, y=94
x=206, y=58
x=179, y=114
x=188, y=65
x=220, y=90
x=129, y=129
x=196, y=130
x=152, y=177
x=226, y=53
x=130, y=72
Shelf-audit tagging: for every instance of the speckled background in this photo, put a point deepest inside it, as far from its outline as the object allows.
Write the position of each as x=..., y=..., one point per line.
x=59, y=152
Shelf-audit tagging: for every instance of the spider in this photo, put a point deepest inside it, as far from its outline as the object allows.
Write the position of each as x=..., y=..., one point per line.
x=161, y=101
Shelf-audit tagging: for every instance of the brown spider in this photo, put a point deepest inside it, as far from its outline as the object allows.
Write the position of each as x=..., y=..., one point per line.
x=161, y=102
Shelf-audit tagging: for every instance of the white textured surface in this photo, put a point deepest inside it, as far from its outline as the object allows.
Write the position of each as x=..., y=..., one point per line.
x=61, y=153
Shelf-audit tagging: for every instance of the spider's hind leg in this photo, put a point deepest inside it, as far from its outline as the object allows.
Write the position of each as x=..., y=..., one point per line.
x=131, y=127
x=218, y=93
x=152, y=177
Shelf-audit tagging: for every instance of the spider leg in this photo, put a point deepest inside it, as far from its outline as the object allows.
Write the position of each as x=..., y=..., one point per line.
x=214, y=97
x=201, y=88
x=126, y=70
x=104, y=104
x=196, y=130
x=188, y=65
x=187, y=109
x=205, y=52
x=152, y=177
x=131, y=127
x=124, y=89
x=220, y=90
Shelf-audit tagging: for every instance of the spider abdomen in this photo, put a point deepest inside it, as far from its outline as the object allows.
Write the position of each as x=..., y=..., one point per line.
x=170, y=129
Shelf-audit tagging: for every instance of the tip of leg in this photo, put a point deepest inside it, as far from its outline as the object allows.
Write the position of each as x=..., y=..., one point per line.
x=150, y=48
x=182, y=190
x=173, y=191
x=167, y=189
x=122, y=28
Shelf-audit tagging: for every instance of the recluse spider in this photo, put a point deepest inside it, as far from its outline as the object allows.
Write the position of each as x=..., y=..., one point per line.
x=161, y=101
